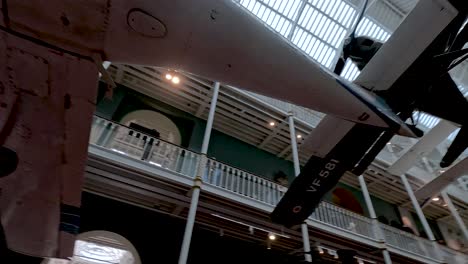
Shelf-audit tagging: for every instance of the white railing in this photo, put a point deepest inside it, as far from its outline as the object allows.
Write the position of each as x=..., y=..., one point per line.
x=452, y=256
x=242, y=182
x=159, y=153
x=137, y=145
x=408, y=242
x=344, y=219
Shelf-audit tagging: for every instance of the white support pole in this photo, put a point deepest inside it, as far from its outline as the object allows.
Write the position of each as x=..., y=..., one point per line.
x=420, y=214
x=455, y=213
x=295, y=155
x=297, y=170
x=190, y=219
x=198, y=179
x=373, y=216
x=209, y=122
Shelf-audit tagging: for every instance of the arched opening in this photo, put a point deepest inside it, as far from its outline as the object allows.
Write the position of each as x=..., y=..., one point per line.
x=154, y=124
x=97, y=247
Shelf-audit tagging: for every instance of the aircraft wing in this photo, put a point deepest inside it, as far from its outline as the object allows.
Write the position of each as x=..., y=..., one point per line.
x=47, y=101
x=332, y=140
x=439, y=183
x=215, y=39
x=402, y=49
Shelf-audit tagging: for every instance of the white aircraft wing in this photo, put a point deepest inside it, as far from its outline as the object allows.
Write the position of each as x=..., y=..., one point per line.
x=426, y=21
x=220, y=40
x=439, y=183
x=212, y=38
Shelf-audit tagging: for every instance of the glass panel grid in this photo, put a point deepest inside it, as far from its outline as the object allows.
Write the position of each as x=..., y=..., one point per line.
x=317, y=27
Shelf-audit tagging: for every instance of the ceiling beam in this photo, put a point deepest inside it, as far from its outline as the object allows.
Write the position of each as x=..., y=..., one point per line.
x=273, y=133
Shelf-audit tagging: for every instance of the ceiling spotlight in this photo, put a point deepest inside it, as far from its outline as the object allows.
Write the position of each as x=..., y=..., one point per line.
x=320, y=250
x=299, y=136
x=272, y=123
x=435, y=199
x=389, y=143
x=271, y=236
x=168, y=76
x=175, y=80
x=444, y=205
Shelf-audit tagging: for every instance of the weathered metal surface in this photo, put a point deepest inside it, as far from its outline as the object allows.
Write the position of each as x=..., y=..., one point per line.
x=78, y=26
x=48, y=127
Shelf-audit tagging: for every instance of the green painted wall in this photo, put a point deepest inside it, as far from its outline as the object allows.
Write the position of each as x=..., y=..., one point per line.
x=106, y=107
x=248, y=157
x=389, y=211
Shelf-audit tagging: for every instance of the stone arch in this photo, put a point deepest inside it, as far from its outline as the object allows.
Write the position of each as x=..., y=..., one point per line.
x=153, y=120
x=103, y=246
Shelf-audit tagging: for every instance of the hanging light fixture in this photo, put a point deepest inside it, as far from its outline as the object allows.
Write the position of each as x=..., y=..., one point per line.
x=271, y=236
x=172, y=76
x=320, y=250
x=175, y=80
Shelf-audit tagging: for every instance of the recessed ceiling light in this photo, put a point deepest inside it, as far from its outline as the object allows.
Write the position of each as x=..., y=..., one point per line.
x=176, y=80
x=271, y=236
x=168, y=76
x=299, y=136
x=272, y=123
x=435, y=199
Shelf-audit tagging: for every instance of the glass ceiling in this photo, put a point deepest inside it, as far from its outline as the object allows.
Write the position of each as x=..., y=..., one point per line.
x=318, y=28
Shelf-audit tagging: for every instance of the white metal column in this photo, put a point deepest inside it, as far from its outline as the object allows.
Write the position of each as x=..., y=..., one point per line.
x=455, y=214
x=373, y=216
x=420, y=214
x=198, y=179
x=297, y=170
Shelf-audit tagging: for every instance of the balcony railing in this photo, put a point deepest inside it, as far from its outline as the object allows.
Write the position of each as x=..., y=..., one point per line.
x=408, y=242
x=158, y=153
